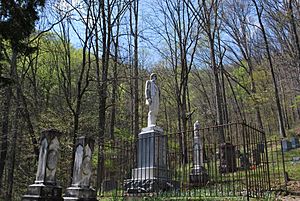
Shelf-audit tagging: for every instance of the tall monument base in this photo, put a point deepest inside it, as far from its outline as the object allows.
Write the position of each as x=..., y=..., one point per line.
x=152, y=174
x=149, y=185
x=42, y=192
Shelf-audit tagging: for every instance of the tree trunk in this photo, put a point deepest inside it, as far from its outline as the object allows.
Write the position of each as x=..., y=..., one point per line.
x=106, y=41
x=11, y=164
x=295, y=34
x=5, y=131
x=136, y=72
x=114, y=86
x=5, y=117
x=218, y=94
x=278, y=104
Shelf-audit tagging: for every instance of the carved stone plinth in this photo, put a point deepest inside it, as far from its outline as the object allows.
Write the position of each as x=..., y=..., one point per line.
x=149, y=185
x=41, y=192
x=45, y=187
x=152, y=174
x=82, y=171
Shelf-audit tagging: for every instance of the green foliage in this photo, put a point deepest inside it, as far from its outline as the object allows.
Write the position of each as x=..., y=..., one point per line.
x=296, y=102
x=244, y=79
x=18, y=20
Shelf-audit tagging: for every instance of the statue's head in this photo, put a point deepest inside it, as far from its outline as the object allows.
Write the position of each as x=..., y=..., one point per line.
x=153, y=76
x=196, y=125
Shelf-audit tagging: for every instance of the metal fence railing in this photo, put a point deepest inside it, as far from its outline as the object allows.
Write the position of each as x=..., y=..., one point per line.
x=195, y=164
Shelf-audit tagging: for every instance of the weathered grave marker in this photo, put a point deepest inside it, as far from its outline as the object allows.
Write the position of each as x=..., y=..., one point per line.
x=82, y=171
x=198, y=175
x=45, y=187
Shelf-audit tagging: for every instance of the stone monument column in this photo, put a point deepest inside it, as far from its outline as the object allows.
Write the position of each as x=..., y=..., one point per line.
x=45, y=187
x=198, y=175
x=151, y=173
x=80, y=189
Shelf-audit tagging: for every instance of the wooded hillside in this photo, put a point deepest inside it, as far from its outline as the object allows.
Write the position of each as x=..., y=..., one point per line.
x=81, y=68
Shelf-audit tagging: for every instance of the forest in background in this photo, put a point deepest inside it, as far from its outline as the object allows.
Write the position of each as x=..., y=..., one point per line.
x=217, y=61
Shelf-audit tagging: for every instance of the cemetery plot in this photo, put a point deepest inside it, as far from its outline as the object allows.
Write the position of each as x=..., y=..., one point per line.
x=246, y=164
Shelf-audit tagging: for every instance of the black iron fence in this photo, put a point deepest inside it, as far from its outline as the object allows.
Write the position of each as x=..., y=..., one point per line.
x=197, y=163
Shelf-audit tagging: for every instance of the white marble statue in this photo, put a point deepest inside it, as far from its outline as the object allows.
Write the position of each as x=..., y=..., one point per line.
x=152, y=94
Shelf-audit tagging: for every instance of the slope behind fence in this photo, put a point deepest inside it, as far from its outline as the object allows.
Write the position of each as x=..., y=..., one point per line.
x=196, y=164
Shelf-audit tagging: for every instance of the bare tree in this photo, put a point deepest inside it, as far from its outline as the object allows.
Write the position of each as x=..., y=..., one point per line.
x=74, y=101
x=208, y=17
x=181, y=34
x=259, y=11
x=236, y=17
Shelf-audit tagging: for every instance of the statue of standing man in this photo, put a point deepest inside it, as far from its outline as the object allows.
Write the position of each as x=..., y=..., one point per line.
x=152, y=94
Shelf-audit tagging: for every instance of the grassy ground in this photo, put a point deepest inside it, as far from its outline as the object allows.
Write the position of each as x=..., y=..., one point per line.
x=292, y=168
x=268, y=198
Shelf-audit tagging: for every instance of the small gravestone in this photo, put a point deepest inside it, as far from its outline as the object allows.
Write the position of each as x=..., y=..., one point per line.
x=295, y=142
x=256, y=157
x=198, y=175
x=45, y=187
x=244, y=161
x=296, y=159
x=286, y=145
x=261, y=147
x=80, y=189
x=227, y=158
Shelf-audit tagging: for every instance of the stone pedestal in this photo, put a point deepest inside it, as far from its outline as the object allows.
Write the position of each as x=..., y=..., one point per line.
x=151, y=174
x=82, y=171
x=295, y=142
x=286, y=145
x=45, y=187
x=42, y=192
